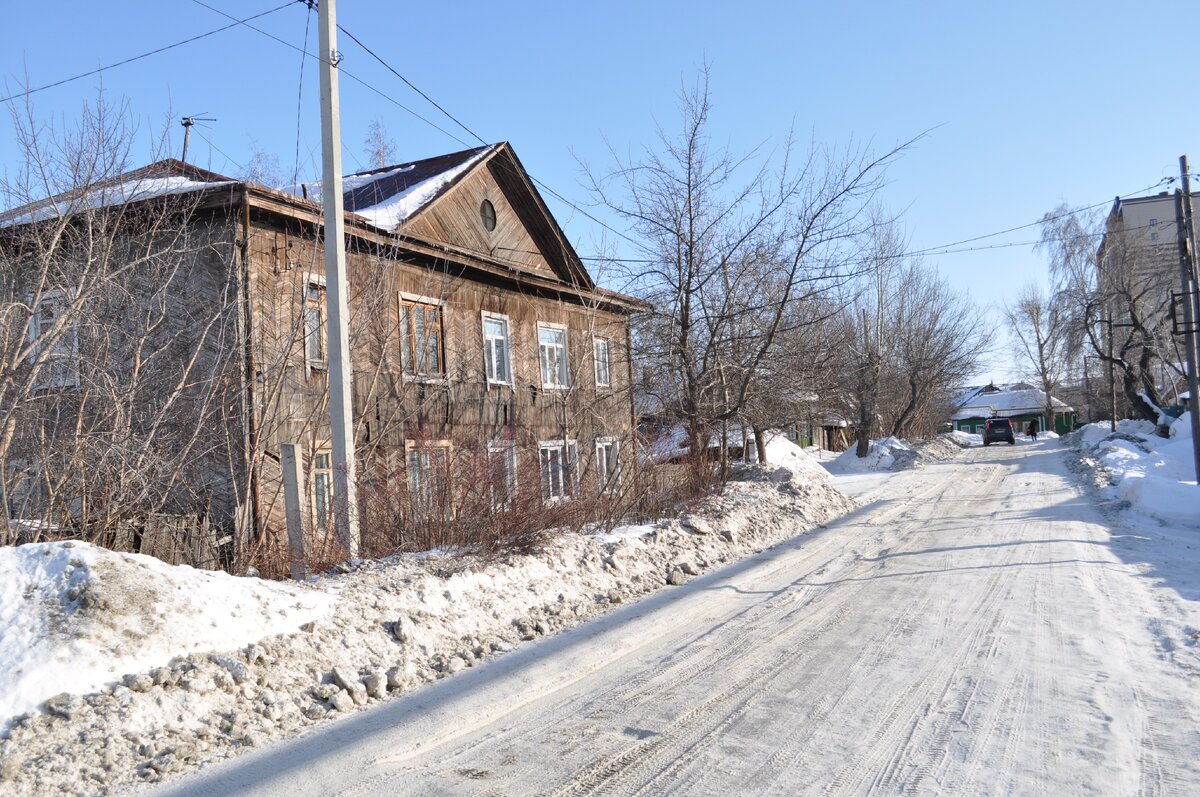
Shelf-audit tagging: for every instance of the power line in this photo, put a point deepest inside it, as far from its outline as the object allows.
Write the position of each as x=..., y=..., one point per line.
x=131, y=59
x=409, y=83
x=341, y=70
x=300, y=95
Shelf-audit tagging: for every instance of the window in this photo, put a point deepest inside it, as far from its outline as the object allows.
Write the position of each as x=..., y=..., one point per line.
x=59, y=355
x=322, y=489
x=487, y=215
x=496, y=354
x=600, y=354
x=421, y=338
x=608, y=463
x=314, y=322
x=502, y=473
x=428, y=478
x=557, y=459
x=552, y=352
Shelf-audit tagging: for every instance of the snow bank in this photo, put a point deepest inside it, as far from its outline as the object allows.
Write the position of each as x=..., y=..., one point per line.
x=74, y=618
x=1154, y=475
x=882, y=455
x=966, y=438
x=398, y=624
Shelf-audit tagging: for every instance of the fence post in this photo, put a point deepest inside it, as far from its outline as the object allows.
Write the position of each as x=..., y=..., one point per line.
x=293, y=478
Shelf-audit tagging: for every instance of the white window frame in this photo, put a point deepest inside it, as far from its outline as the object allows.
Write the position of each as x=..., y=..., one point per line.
x=568, y=457
x=566, y=360
x=320, y=480
x=64, y=350
x=597, y=342
x=485, y=317
x=608, y=478
x=317, y=281
x=507, y=451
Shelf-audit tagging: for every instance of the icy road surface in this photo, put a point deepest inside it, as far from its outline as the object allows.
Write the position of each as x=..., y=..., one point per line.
x=979, y=627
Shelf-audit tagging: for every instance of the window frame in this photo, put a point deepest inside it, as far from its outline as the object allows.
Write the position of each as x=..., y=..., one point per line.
x=607, y=480
x=424, y=497
x=321, y=306
x=566, y=359
x=53, y=374
x=507, y=451
x=315, y=469
x=597, y=341
x=486, y=316
x=408, y=336
x=568, y=457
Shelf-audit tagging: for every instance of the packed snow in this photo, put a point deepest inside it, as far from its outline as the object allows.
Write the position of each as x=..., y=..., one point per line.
x=1154, y=475
x=75, y=618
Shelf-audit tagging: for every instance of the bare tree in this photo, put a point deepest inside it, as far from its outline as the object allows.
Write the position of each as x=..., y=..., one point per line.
x=1115, y=300
x=118, y=337
x=1038, y=325
x=732, y=245
x=380, y=149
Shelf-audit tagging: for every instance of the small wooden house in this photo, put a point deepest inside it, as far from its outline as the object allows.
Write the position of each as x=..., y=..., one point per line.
x=475, y=328
x=1022, y=403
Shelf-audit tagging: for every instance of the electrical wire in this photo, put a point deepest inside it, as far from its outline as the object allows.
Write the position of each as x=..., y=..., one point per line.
x=341, y=71
x=139, y=57
x=300, y=95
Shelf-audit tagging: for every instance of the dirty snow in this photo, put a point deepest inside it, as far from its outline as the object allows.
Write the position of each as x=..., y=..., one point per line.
x=75, y=618
x=390, y=627
x=1153, y=475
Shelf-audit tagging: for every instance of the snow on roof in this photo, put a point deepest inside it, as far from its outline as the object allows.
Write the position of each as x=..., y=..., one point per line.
x=132, y=187
x=389, y=196
x=1006, y=402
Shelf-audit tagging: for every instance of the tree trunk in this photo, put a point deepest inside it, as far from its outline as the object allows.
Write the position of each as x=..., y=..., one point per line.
x=760, y=443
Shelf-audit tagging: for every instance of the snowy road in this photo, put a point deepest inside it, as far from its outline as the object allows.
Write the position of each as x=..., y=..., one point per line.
x=977, y=628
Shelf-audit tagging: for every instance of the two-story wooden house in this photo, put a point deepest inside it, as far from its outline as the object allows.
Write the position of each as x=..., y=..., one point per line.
x=477, y=335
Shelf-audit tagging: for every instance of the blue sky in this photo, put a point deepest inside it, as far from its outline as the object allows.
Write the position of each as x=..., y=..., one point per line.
x=1029, y=104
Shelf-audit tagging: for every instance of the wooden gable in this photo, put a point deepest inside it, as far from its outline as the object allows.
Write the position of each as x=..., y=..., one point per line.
x=525, y=236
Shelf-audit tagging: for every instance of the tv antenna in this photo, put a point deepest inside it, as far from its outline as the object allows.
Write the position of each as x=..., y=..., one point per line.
x=187, y=123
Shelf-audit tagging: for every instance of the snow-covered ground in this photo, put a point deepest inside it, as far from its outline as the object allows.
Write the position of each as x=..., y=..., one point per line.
x=1154, y=475
x=152, y=670
x=979, y=626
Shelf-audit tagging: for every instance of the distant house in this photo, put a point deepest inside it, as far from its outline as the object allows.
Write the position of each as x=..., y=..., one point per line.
x=1020, y=402
x=475, y=327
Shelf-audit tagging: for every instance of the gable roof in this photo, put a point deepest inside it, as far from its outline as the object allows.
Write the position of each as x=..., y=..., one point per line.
x=389, y=196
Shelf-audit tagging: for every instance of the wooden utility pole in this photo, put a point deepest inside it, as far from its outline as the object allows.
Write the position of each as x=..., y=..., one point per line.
x=1191, y=299
x=341, y=421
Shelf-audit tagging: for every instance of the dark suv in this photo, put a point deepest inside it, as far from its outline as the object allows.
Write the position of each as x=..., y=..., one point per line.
x=997, y=429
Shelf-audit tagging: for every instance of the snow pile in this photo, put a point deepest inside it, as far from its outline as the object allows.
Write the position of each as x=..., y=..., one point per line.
x=74, y=618
x=966, y=439
x=393, y=626
x=881, y=455
x=783, y=452
x=1152, y=474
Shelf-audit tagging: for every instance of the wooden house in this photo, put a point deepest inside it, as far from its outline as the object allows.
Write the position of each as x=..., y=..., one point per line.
x=475, y=330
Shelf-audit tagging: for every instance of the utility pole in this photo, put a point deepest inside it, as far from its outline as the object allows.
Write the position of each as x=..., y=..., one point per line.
x=1112, y=378
x=341, y=420
x=187, y=123
x=1191, y=299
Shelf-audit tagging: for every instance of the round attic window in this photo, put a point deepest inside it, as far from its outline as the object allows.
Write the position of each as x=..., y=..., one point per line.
x=487, y=214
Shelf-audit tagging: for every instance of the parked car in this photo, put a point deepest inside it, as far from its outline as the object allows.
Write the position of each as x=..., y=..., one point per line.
x=997, y=429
